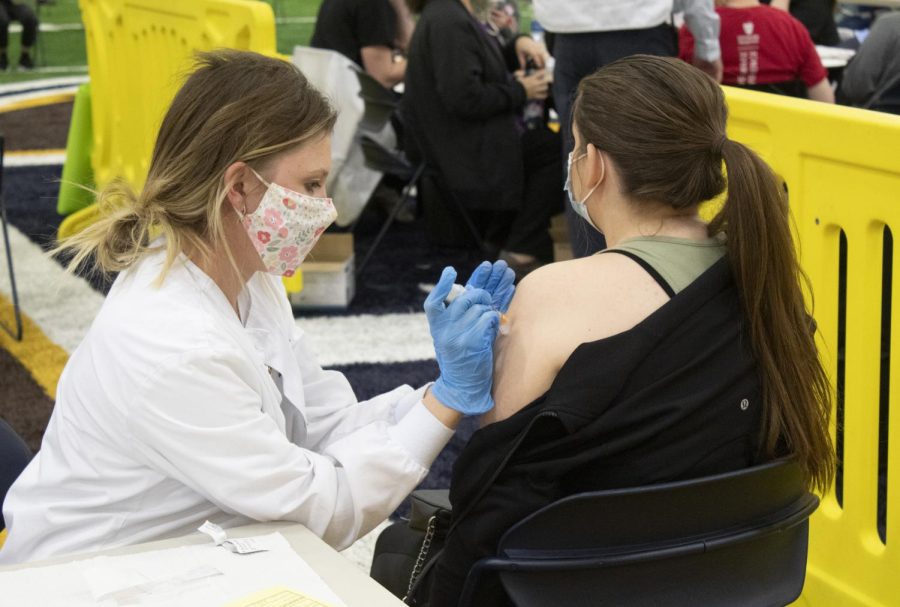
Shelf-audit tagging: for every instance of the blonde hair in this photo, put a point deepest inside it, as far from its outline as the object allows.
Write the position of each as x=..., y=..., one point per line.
x=235, y=106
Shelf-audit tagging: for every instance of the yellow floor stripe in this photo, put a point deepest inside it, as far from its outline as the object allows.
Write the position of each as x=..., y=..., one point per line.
x=40, y=356
x=37, y=102
x=19, y=153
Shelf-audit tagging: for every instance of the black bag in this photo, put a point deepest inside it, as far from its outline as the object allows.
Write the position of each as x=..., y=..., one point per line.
x=405, y=550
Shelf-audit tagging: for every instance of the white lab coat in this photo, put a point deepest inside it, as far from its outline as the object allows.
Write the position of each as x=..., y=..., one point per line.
x=173, y=411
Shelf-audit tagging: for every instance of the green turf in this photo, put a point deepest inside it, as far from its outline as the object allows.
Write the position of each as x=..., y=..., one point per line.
x=63, y=53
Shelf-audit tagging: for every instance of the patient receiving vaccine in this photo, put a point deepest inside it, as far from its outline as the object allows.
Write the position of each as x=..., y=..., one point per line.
x=683, y=350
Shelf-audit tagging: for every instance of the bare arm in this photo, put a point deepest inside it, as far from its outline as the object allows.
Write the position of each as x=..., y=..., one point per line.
x=405, y=24
x=821, y=91
x=558, y=308
x=379, y=62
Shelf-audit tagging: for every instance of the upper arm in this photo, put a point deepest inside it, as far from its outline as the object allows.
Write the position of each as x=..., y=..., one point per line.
x=528, y=358
x=812, y=72
x=703, y=22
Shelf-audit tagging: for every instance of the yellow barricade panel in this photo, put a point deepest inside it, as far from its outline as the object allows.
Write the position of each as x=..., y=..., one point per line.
x=842, y=169
x=139, y=52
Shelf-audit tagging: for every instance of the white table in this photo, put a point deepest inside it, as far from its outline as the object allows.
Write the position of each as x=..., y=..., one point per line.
x=832, y=56
x=346, y=580
x=888, y=3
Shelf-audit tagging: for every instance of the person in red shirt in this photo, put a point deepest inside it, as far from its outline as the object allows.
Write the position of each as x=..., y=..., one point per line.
x=763, y=46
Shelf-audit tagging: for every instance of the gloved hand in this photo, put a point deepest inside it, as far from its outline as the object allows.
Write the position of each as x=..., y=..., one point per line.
x=463, y=334
x=497, y=279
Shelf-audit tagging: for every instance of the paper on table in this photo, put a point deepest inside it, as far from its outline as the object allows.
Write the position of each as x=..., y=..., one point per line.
x=278, y=597
x=166, y=578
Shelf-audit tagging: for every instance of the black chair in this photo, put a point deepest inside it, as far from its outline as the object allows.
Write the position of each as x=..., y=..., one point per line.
x=788, y=88
x=17, y=310
x=379, y=110
x=887, y=99
x=733, y=539
x=14, y=456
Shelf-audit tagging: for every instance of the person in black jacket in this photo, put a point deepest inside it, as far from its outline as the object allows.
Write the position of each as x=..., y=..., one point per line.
x=465, y=92
x=10, y=11
x=684, y=350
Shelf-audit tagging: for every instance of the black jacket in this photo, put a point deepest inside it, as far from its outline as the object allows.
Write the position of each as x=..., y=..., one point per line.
x=461, y=101
x=660, y=402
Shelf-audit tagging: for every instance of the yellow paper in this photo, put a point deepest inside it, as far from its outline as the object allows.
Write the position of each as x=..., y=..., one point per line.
x=280, y=596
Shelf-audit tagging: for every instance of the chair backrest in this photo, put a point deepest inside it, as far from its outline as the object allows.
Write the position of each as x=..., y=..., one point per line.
x=380, y=103
x=732, y=539
x=788, y=88
x=14, y=456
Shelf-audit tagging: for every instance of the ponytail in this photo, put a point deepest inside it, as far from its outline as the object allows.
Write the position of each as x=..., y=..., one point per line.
x=121, y=236
x=116, y=240
x=797, y=395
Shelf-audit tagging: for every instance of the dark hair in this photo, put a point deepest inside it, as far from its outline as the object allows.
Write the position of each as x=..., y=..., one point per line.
x=662, y=122
x=416, y=6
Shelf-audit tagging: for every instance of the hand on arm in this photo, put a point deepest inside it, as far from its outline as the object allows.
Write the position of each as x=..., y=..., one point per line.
x=464, y=334
x=528, y=48
x=536, y=85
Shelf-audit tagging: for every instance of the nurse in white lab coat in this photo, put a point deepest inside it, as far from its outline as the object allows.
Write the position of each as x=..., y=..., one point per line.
x=194, y=396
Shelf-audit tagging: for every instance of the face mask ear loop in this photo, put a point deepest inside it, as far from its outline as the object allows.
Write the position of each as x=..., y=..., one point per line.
x=599, y=181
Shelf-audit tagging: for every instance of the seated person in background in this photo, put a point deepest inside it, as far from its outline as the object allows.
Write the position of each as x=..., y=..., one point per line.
x=683, y=350
x=367, y=32
x=764, y=48
x=10, y=11
x=876, y=67
x=464, y=107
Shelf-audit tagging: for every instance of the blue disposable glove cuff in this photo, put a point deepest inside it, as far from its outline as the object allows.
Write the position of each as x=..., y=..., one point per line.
x=465, y=401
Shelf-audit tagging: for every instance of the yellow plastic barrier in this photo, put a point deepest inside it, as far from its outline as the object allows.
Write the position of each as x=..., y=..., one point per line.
x=139, y=52
x=842, y=168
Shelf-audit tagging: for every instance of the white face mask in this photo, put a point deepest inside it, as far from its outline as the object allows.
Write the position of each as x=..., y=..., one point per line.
x=286, y=226
x=580, y=206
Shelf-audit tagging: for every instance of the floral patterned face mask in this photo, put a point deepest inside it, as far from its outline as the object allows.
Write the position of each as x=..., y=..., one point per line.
x=286, y=226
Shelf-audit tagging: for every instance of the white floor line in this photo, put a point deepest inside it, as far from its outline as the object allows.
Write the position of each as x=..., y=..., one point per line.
x=62, y=305
x=369, y=338
x=44, y=83
x=14, y=99
x=50, y=27
x=294, y=20
x=14, y=160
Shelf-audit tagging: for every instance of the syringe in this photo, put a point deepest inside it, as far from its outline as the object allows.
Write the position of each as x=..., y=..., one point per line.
x=457, y=289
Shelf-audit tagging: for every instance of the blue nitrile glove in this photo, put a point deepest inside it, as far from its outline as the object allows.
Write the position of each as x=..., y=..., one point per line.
x=497, y=279
x=463, y=334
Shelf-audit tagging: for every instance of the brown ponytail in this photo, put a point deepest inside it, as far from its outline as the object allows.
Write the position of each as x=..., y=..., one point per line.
x=796, y=390
x=662, y=122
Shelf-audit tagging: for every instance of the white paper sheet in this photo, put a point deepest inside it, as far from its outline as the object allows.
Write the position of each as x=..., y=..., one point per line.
x=200, y=576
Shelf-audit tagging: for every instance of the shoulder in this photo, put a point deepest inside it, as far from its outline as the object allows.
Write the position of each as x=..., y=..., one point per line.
x=586, y=299
x=149, y=321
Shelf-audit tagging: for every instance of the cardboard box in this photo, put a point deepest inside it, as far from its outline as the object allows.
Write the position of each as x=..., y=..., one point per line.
x=329, y=274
